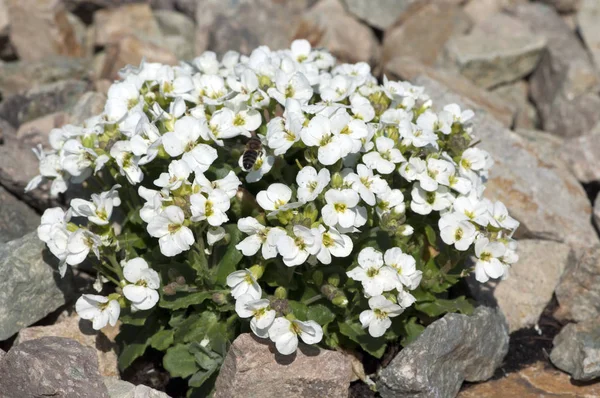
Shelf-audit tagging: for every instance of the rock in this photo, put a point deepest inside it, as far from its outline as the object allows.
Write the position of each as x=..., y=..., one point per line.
x=253, y=368
x=328, y=25
x=587, y=20
x=51, y=366
x=449, y=351
x=178, y=33
x=415, y=37
x=577, y=350
x=385, y=13
x=547, y=146
x=243, y=25
x=90, y=104
x=74, y=328
x=37, y=131
x=137, y=20
x=122, y=389
x=7, y=131
x=16, y=218
x=4, y=19
x=581, y=154
x=565, y=83
x=43, y=100
x=564, y=6
x=41, y=29
x=578, y=292
x=524, y=181
x=500, y=50
x=597, y=212
x=409, y=69
x=516, y=94
x=480, y=10
x=30, y=286
x=6, y=48
x=524, y=295
x=20, y=76
x=537, y=380
x=2, y=354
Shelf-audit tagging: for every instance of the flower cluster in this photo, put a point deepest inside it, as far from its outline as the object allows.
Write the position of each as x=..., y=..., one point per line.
x=355, y=199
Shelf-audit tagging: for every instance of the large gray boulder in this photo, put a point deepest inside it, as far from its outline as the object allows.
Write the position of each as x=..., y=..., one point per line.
x=577, y=350
x=16, y=218
x=449, y=351
x=30, y=285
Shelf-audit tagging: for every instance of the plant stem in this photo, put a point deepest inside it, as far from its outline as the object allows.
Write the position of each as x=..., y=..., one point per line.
x=313, y=299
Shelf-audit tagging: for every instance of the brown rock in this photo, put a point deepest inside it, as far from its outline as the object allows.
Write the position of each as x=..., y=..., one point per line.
x=36, y=131
x=547, y=146
x=415, y=37
x=113, y=24
x=254, y=369
x=75, y=328
x=582, y=155
x=178, y=33
x=41, y=29
x=409, y=69
x=516, y=95
x=4, y=19
x=328, y=25
x=535, y=381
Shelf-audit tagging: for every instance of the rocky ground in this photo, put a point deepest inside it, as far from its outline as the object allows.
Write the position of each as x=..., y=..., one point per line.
x=530, y=70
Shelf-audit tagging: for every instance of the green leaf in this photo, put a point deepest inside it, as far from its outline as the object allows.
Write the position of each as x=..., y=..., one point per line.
x=201, y=377
x=431, y=236
x=135, y=318
x=184, y=299
x=320, y=314
x=232, y=256
x=179, y=361
x=162, y=340
x=441, y=306
x=411, y=329
x=198, y=261
x=135, y=340
x=299, y=309
x=356, y=333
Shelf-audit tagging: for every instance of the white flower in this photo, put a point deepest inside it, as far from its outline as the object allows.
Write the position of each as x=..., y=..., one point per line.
x=122, y=97
x=243, y=282
x=340, y=207
x=259, y=235
x=283, y=134
x=77, y=159
x=264, y=163
x=295, y=250
x=262, y=315
x=300, y=49
x=228, y=184
x=377, y=319
x=384, y=159
x=332, y=244
x=336, y=89
x=52, y=218
x=458, y=115
x=178, y=174
x=99, y=309
x=245, y=119
x=99, y=210
x=488, y=263
x=276, y=198
x=455, y=229
x=499, y=217
x=424, y=202
x=362, y=108
x=390, y=200
x=144, y=282
x=473, y=209
x=184, y=140
x=128, y=163
x=319, y=134
x=215, y=234
x=154, y=203
x=437, y=171
x=79, y=245
x=405, y=299
x=351, y=131
x=211, y=208
x=375, y=277
x=221, y=126
x=310, y=183
x=366, y=183
x=405, y=266
x=294, y=86
x=174, y=237
x=284, y=334
x=474, y=159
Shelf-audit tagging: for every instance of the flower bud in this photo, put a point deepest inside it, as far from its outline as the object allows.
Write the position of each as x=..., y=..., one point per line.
x=180, y=280
x=337, y=181
x=340, y=301
x=317, y=277
x=257, y=271
x=334, y=280
x=169, y=290
x=281, y=292
x=311, y=212
x=219, y=298
x=282, y=307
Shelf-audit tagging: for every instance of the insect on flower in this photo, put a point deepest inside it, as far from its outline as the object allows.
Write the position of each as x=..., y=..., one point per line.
x=252, y=152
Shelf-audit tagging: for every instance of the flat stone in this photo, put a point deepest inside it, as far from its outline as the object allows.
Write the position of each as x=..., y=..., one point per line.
x=253, y=368
x=582, y=155
x=415, y=37
x=74, y=328
x=564, y=85
x=328, y=25
x=499, y=50
x=535, y=381
x=587, y=21
x=524, y=180
x=123, y=389
x=51, y=366
x=530, y=287
x=517, y=95
x=547, y=146
x=577, y=350
x=90, y=104
x=384, y=14
x=409, y=69
x=112, y=24
x=37, y=131
x=30, y=286
x=178, y=33
x=16, y=218
x=578, y=292
x=41, y=29
x=450, y=350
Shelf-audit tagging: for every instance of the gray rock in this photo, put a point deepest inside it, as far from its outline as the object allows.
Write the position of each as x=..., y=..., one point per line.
x=578, y=292
x=564, y=85
x=49, y=367
x=122, y=389
x=582, y=155
x=7, y=131
x=577, y=350
x=16, y=218
x=30, y=286
x=547, y=146
x=2, y=354
x=563, y=5
x=253, y=369
x=384, y=14
x=524, y=180
x=516, y=94
x=449, y=351
x=528, y=290
x=90, y=104
x=178, y=33
x=597, y=212
x=587, y=20
x=40, y=101
x=500, y=50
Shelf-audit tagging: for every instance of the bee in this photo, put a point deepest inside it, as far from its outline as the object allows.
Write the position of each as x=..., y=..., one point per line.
x=252, y=152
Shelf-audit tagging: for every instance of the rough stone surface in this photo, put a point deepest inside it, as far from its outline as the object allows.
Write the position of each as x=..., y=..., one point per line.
x=7, y=131
x=75, y=328
x=90, y=104
x=587, y=20
x=41, y=29
x=16, y=218
x=499, y=50
x=409, y=69
x=539, y=380
x=516, y=95
x=328, y=25
x=384, y=14
x=254, y=369
x=582, y=155
x=577, y=350
x=30, y=286
x=547, y=146
x=480, y=10
x=415, y=37
x=524, y=181
x=178, y=33
x=449, y=351
x=51, y=367
x=122, y=389
x=37, y=131
x=524, y=295
x=563, y=5
x=565, y=83
x=578, y=292
x=4, y=19
x=112, y=24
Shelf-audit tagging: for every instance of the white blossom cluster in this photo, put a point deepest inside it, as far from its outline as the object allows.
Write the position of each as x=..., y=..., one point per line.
x=365, y=155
